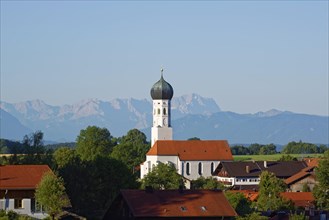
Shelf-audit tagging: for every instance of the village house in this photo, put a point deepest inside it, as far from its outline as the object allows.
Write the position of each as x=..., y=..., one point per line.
x=17, y=187
x=191, y=158
x=170, y=204
x=246, y=174
x=302, y=179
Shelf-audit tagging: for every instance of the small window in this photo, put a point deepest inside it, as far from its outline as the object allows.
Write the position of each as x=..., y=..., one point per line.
x=18, y=203
x=164, y=111
x=200, y=168
x=203, y=208
x=212, y=167
x=188, y=171
x=159, y=111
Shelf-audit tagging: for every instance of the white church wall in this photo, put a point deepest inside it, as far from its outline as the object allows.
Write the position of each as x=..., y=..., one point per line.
x=152, y=161
x=193, y=172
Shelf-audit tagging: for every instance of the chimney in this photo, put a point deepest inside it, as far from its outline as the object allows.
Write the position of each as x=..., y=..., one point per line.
x=265, y=164
x=247, y=169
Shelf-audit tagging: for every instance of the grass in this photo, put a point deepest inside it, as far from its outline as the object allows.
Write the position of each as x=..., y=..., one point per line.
x=272, y=157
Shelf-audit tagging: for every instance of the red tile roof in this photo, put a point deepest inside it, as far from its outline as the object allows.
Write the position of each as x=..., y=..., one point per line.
x=300, y=175
x=172, y=203
x=300, y=199
x=21, y=176
x=193, y=149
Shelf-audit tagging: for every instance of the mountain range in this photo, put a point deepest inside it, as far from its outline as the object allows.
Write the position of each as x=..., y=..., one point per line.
x=192, y=116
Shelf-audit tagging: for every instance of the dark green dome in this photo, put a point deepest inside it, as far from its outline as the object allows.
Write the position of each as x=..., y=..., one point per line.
x=162, y=90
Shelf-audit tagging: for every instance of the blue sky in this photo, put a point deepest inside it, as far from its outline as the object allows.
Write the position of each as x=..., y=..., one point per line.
x=249, y=56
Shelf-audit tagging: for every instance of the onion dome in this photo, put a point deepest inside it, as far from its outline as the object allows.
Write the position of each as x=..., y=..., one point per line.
x=162, y=90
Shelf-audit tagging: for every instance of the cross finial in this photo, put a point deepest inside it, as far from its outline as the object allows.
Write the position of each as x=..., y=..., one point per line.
x=161, y=71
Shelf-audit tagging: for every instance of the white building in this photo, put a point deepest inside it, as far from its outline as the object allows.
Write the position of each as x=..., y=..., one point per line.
x=17, y=188
x=245, y=175
x=193, y=158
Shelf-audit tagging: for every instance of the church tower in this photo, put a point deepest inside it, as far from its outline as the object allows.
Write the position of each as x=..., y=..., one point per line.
x=161, y=93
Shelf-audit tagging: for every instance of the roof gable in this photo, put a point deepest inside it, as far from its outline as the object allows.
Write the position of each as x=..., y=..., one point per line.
x=300, y=175
x=193, y=149
x=173, y=203
x=21, y=176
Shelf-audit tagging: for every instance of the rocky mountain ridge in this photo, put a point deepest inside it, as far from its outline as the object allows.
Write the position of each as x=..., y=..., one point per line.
x=192, y=116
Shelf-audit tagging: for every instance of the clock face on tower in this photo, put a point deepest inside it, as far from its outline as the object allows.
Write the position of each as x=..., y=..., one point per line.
x=164, y=122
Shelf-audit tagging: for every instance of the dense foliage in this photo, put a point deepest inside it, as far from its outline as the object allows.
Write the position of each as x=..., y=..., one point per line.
x=291, y=148
x=131, y=149
x=206, y=183
x=163, y=176
x=269, y=197
x=239, y=202
x=254, y=149
x=303, y=148
x=93, y=142
x=321, y=191
x=95, y=183
x=11, y=215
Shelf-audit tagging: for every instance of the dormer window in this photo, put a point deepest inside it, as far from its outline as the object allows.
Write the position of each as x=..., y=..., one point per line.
x=183, y=208
x=203, y=208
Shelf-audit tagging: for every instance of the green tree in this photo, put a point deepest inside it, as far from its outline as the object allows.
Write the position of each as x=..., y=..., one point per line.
x=239, y=202
x=92, y=185
x=93, y=142
x=131, y=149
x=64, y=156
x=163, y=176
x=267, y=149
x=254, y=149
x=300, y=148
x=50, y=193
x=269, y=197
x=207, y=183
x=33, y=143
x=321, y=191
x=239, y=150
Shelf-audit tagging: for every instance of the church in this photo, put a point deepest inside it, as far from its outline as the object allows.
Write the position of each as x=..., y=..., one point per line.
x=191, y=158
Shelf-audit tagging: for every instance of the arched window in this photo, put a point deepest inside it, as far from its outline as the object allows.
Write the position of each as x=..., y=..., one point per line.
x=200, y=168
x=158, y=111
x=164, y=111
x=188, y=171
x=212, y=167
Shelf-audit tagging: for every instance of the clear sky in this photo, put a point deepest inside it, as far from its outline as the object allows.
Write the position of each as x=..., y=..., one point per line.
x=249, y=56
